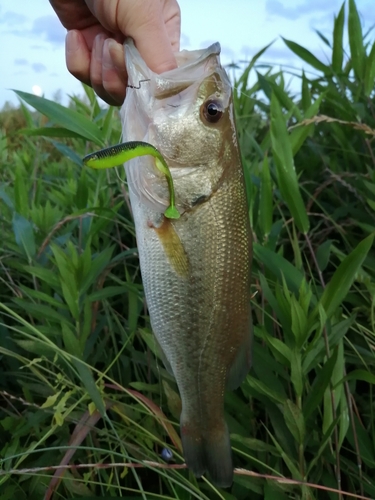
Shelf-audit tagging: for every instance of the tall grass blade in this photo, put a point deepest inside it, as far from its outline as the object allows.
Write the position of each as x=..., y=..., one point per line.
x=338, y=47
x=286, y=173
x=68, y=118
x=307, y=56
x=338, y=288
x=357, y=49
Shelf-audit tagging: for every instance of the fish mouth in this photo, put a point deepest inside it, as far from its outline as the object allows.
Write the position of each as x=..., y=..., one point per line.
x=192, y=66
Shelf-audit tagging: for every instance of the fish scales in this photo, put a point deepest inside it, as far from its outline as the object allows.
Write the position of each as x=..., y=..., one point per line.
x=196, y=269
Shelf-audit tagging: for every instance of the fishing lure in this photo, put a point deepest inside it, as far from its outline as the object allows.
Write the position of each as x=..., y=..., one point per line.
x=121, y=153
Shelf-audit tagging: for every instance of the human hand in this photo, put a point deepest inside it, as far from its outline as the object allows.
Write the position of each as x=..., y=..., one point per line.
x=96, y=31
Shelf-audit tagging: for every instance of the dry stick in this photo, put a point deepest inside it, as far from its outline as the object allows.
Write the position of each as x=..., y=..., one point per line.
x=58, y=226
x=157, y=465
x=328, y=119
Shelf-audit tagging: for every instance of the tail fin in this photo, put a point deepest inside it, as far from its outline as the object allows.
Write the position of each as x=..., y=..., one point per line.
x=208, y=451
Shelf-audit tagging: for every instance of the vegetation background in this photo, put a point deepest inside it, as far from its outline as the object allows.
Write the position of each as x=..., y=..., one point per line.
x=85, y=400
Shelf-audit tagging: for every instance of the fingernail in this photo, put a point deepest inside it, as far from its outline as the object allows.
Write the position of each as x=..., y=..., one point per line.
x=72, y=42
x=107, y=59
x=97, y=48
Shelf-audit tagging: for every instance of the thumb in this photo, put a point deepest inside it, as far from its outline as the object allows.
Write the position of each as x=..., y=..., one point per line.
x=145, y=23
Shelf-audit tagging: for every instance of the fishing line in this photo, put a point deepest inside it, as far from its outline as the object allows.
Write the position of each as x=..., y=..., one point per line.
x=122, y=181
x=139, y=84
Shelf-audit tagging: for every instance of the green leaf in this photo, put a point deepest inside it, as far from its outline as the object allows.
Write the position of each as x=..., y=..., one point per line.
x=338, y=49
x=294, y=420
x=97, y=266
x=67, y=118
x=48, y=132
x=43, y=274
x=111, y=291
x=344, y=420
x=363, y=375
x=338, y=288
x=288, y=461
x=286, y=174
x=279, y=346
x=41, y=311
x=319, y=386
x=284, y=99
x=338, y=392
x=70, y=340
x=108, y=122
x=265, y=390
x=323, y=253
x=6, y=199
x=357, y=49
x=306, y=94
x=245, y=75
x=296, y=375
x=279, y=266
x=82, y=192
x=300, y=134
x=71, y=297
x=254, y=444
x=266, y=200
x=300, y=324
x=24, y=235
x=324, y=441
x=307, y=56
x=323, y=38
x=21, y=195
x=41, y=296
x=173, y=400
x=370, y=72
x=69, y=153
x=89, y=383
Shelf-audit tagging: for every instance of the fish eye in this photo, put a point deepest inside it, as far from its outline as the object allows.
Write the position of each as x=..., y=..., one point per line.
x=212, y=111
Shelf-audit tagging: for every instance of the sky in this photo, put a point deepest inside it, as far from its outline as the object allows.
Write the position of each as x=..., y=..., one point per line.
x=32, y=56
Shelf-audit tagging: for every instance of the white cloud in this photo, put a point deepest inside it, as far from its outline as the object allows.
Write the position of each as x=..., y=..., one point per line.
x=12, y=18
x=21, y=62
x=37, y=47
x=44, y=28
x=293, y=11
x=49, y=28
x=38, y=67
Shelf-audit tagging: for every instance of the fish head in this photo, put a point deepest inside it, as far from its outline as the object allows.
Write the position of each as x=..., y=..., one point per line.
x=191, y=126
x=187, y=114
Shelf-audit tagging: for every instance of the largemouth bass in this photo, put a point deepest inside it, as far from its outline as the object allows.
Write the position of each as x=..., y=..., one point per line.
x=196, y=269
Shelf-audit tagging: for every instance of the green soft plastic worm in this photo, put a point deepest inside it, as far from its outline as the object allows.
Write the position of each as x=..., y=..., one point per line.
x=121, y=153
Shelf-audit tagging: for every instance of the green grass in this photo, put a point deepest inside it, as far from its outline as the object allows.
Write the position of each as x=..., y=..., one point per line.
x=80, y=378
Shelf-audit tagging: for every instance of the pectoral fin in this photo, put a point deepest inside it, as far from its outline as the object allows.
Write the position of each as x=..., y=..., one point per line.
x=173, y=248
x=241, y=364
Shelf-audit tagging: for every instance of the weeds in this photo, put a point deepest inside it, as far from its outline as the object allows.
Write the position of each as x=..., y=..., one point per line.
x=86, y=401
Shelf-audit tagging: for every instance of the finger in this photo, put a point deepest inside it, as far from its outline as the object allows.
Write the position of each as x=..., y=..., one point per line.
x=151, y=38
x=96, y=69
x=77, y=56
x=114, y=73
x=73, y=14
x=144, y=21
